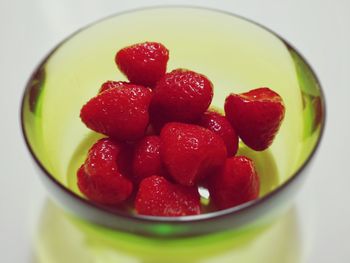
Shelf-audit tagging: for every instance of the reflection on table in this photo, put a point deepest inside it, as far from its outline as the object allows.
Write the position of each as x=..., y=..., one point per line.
x=63, y=238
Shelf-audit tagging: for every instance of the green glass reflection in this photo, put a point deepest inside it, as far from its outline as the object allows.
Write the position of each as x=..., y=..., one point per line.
x=313, y=105
x=61, y=238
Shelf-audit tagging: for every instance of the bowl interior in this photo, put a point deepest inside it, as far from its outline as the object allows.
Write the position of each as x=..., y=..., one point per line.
x=235, y=54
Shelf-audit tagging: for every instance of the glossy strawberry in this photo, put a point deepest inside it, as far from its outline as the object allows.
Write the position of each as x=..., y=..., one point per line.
x=143, y=63
x=256, y=116
x=102, y=158
x=146, y=161
x=236, y=184
x=158, y=197
x=181, y=95
x=100, y=179
x=190, y=153
x=221, y=126
x=114, y=84
x=119, y=113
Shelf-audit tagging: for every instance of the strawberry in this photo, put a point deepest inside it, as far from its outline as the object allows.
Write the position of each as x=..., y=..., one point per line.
x=181, y=95
x=99, y=178
x=190, y=153
x=119, y=113
x=114, y=84
x=102, y=158
x=158, y=197
x=235, y=184
x=222, y=127
x=146, y=161
x=143, y=63
x=256, y=116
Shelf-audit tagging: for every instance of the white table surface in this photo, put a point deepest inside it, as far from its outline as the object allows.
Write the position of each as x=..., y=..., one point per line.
x=320, y=29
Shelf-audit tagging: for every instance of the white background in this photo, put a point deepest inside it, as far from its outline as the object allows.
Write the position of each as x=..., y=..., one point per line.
x=318, y=28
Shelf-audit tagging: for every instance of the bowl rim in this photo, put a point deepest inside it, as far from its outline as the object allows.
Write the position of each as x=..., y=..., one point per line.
x=181, y=219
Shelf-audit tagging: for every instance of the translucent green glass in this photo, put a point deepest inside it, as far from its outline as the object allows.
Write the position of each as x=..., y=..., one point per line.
x=235, y=54
x=61, y=238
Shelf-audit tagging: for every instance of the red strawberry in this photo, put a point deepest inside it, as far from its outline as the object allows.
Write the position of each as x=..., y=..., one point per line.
x=143, y=63
x=146, y=160
x=221, y=126
x=158, y=197
x=99, y=178
x=256, y=116
x=114, y=84
x=190, y=152
x=182, y=95
x=102, y=158
x=119, y=113
x=106, y=190
x=236, y=184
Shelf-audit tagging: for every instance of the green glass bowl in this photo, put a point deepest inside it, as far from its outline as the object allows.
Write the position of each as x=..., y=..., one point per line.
x=235, y=54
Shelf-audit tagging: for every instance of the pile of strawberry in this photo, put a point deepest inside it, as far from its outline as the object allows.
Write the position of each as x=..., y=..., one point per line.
x=163, y=143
